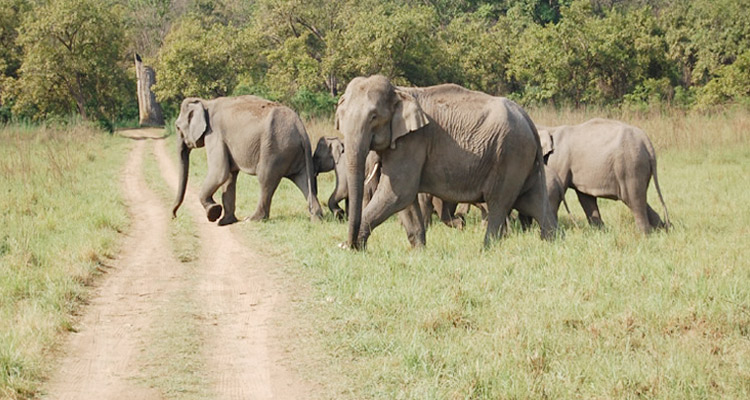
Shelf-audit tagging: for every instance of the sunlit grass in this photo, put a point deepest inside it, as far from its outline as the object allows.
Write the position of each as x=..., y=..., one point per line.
x=61, y=211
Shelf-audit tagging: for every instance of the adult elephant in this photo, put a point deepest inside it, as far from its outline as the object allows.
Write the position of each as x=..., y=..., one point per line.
x=457, y=144
x=249, y=134
x=608, y=159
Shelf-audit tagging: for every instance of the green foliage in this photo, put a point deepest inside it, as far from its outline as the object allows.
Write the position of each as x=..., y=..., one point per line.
x=478, y=51
x=72, y=61
x=588, y=59
x=396, y=41
x=197, y=59
x=732, y=83
x=579, y=52
x=313, y=104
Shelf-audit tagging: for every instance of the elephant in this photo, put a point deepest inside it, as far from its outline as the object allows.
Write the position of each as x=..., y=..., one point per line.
x=445, y=140
x=328, y=157
x=249, y=134
x=608, y=159
x=450, y=212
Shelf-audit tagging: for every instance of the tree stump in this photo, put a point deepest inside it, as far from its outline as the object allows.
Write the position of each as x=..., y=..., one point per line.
x=149, y=111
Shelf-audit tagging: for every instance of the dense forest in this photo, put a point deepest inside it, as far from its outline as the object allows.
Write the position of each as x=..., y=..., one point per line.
x=62, y=57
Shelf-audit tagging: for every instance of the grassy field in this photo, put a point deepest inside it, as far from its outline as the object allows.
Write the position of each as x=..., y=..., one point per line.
x=599, y=314
x=61, y=212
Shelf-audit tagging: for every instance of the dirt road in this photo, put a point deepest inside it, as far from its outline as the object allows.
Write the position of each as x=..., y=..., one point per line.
x=240, y=353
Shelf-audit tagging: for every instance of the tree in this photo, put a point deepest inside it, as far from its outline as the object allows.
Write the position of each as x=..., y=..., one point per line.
x=478, y=52
x=586, y=58
x=396, y=41
x=198, y=58
x=72, y=60
x=11, y=13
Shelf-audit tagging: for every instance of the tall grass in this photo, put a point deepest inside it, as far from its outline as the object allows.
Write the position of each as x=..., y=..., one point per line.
x=61, y=212
x=598, y=314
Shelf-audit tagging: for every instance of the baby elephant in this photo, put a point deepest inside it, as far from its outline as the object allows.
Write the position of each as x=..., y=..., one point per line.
x=605, y=158
x=328, y=156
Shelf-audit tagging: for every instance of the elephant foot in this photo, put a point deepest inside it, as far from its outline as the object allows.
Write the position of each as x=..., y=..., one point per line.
x=213, y=212
x=227, y=220
x=258, y=216
x=457, y=223
x=339, y=215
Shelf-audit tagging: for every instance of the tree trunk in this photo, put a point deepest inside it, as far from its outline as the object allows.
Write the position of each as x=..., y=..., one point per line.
x=149, y=111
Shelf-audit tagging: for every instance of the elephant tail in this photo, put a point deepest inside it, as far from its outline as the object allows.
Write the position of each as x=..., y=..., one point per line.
x=312, y=182
x=652, y=154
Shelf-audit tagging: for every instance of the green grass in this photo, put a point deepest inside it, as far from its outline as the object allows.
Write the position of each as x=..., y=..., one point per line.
x=61, y=214
x=598, y=314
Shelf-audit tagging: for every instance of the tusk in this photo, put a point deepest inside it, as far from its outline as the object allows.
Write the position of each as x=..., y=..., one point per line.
x=372, y=174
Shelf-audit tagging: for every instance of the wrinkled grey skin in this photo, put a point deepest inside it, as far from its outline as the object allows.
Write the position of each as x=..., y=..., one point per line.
x=457, y=144
x=609, y=159
x=248, y=134
x=328, y=156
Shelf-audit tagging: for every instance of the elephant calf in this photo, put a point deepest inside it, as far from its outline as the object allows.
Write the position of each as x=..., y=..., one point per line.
x=328, y=156
x=249, y=134
x=605, y=158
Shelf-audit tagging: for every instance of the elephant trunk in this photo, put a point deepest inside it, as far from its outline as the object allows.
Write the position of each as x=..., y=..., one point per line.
x=355, y=159
x=182, y=184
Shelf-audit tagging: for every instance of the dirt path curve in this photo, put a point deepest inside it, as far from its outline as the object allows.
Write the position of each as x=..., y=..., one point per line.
x=237, y=294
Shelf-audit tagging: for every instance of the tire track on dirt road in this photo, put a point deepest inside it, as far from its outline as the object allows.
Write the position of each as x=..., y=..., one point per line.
x=241, y=301
x=102, y=358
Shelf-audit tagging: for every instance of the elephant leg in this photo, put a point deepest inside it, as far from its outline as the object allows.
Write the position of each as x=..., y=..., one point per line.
x=333, y=205
x=447, y=212
x=588, y=203
x=391, y=196
x=496, y=221
x=640, y=212
x=228, y=198
x=268, y=184
x=525, y=220
x=217, y=157
x=653, y=218
x=534, y=203
x=483, y=209
x=426, y=206
x=640, y=208
x=214, y=179
x=303, y=183
x=412, y=220
x=462, y=210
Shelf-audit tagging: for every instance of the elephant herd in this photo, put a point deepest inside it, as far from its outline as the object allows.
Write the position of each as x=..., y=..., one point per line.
x=414, y=150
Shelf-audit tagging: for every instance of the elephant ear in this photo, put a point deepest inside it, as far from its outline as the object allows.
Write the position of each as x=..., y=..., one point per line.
x=337, y=150
x=548, y=145
x=196, y=123
x=340, y=109
x=407, y=116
